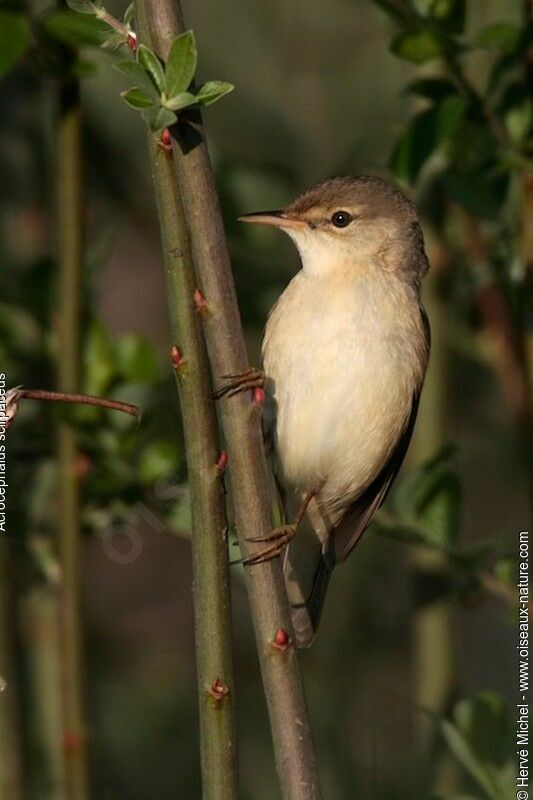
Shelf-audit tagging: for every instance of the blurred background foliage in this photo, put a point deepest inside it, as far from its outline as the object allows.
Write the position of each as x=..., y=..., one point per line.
x=434, y=93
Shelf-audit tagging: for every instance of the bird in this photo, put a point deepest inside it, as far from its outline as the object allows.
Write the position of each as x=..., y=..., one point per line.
x=345, y=352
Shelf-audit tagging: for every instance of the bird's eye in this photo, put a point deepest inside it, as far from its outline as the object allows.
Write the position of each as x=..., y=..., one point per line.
x=341, y=219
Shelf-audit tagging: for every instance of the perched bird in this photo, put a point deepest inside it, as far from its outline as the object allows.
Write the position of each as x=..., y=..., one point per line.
x=345, y=353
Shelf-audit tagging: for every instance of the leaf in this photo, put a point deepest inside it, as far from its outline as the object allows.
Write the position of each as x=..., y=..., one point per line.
x=15, y=39
x=181, y=100
x=417, y=47
x=181, y=64
x=83, y=69
x=430, y=497
x=82, y=6
x=99, y=360
x=426, y=132
x=483, y=720
x=212, y=91
x=76, y=29
x=157, y=461
x=439, y=511
x=136, y=359
x=136, y=98
x=139, y=76
x=114, y=41
x=502, y=36
x=450, y=14
x=432, y=88
x=483, y=194
x=481, y=738
x=129, y=14
x=153, y=67
x=158, y=119
x=463, y=753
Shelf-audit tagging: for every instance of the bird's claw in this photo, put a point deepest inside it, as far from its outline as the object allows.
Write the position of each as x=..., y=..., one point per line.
x=240, y=382
x=278, y=539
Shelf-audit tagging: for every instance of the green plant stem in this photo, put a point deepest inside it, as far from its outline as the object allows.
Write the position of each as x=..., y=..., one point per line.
x=159, y=21
x=70, y=260
x=11, y=774
x=434, y=664
x=39, y=617
x=212, y=599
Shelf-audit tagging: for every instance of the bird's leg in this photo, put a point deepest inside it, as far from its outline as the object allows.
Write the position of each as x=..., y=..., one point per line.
x=280, y=536
x=240, y=382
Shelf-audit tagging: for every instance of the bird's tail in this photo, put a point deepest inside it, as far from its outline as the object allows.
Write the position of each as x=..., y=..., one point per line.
x=307, y=571
x=306, y=616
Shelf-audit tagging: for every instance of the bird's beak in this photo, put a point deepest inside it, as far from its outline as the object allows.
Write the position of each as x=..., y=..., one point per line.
x=280, y=219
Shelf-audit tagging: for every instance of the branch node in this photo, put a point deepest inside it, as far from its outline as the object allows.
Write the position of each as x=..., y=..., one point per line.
x=178, y=361
x=282, y=640
x=222, y=462
x=258, y=396
x=131, y=41
x=165, y=140
x=71, y=741
x=202, y=306
x=218, y=690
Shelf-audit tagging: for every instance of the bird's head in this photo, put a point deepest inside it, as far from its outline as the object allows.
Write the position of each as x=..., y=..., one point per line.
x=349, y=221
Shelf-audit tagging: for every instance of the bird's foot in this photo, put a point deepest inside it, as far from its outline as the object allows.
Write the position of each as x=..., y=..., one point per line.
x=277, y=539
x=251, y=378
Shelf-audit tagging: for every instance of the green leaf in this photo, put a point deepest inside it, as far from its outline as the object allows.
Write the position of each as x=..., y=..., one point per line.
x=157, y=461
x=129, y=14
x=432, y=88
x=82, y=6
x=99, y=360
x=481, y=193
x=181, y=64
x=417, y=47
x=181, y=100
x=15, y=39
x=212, y=91
x=502, y=36
x=483, y=720
x=83, y=68
x=438, y=512
x=76, y=29
x=425, y=133
x=136, y=98
x=463, y=753
x=482, y=740
x=158, y=119
x=450, y=14
x=136, y=359
x=140, y=77
x=153, y=67
x=114, y=41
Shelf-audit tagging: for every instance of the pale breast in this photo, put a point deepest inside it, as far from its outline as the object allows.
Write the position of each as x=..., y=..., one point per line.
x=342, y=365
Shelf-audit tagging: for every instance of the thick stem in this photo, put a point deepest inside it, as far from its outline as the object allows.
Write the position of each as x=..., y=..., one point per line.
x=70, y=261
x=212, y=600
x=11, y=776
x=159, y=21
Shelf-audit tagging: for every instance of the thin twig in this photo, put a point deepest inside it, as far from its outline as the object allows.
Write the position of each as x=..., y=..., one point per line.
x=213, y=628
x=82, y=399
x=241, y=421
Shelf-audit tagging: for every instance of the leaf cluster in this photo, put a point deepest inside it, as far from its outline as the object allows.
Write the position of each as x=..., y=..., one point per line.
x=162, y=90
x=474, y=139
x=426, y=509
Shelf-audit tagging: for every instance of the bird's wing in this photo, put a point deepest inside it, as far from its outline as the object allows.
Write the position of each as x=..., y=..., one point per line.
x=357, y=517
x=320, y=544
